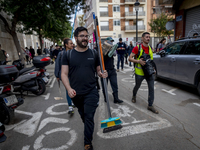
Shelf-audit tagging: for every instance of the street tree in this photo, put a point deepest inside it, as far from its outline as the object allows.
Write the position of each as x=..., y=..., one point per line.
x=158, y=25
x=40, y=15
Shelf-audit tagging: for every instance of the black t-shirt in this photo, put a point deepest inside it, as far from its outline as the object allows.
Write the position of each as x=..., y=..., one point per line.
x=109, y=62
x=82, y=68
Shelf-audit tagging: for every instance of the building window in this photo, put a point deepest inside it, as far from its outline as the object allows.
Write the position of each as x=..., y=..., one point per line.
x=126, y=9
x=116, y=8
x=116, y=22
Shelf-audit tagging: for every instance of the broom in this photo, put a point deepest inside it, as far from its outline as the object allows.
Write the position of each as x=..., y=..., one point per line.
x=110, y=124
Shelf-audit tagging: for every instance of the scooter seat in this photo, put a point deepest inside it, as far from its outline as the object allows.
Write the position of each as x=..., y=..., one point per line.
x=25, y=70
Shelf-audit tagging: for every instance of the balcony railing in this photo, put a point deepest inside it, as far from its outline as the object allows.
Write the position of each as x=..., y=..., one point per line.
x=135, y=1
x=104, y=28
x=140, y=13
x=140, y=27
x=103, y=14
x=103, y=0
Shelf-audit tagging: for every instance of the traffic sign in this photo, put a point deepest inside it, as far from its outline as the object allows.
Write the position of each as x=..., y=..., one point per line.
x=90, y=41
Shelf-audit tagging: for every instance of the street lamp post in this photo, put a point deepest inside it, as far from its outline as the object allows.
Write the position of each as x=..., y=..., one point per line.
x=137, y=4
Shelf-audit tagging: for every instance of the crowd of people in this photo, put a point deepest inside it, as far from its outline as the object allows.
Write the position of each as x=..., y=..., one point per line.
x=52, y=52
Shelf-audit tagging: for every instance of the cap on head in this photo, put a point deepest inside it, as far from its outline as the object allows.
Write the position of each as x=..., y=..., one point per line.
x=120, y=39
x=109, y=39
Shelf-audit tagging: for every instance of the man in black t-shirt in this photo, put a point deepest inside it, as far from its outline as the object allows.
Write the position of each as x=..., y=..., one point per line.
x=79, y=66
x=112, y=75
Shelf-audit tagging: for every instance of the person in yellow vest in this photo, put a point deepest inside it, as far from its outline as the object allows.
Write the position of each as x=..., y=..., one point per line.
x=137, y=52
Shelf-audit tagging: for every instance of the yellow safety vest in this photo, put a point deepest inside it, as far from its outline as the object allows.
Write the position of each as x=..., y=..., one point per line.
x=138, y=67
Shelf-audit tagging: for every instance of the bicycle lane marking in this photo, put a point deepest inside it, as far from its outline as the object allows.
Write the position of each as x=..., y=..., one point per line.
x=29, y=126
x=130, y=128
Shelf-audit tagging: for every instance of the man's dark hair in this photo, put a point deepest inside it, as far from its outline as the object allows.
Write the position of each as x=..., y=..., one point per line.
x=120, y=39
x=145, y=34
x=65, y=41
x=0, y=45
x=195, y=34
x=78, y=30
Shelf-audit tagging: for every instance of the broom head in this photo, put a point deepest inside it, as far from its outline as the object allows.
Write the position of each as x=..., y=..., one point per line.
x=110, y=122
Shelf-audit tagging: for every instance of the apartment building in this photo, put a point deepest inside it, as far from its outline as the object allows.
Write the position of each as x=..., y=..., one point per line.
x=117, y=18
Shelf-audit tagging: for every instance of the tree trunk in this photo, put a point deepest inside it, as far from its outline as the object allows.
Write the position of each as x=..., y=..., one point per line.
x=18, y=47
x=40, y=38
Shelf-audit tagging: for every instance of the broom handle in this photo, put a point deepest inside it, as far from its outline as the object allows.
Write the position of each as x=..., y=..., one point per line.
x=98, y=41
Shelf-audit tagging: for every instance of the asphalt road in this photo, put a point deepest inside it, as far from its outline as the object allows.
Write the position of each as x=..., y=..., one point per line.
x=42, y=122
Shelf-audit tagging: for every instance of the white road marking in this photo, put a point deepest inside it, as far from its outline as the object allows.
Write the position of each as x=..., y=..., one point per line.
x=38, y=142
x=132, y=129
x=26, y=147
x=124, y=111
x=170, y=91
x=29, y=127
x=50, y=120
x=9, y=127
x=51, y=112
x=54, y=79
x=46, y=97
x=196, y=104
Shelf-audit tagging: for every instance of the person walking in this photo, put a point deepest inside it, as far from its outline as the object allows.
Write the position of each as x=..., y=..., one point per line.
x=161, y=45
x=130, y=48
x=28, y=55
x=3, y=55
x=32, y=51
x=67, y=46
x=112, y=75
x=139, y=74
x=56, y=51
x=120, y=54
x=79, y=65
x=46, y=51
x=39, y=51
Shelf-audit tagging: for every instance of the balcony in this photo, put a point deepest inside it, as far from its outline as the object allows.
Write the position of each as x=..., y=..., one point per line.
x=104, y=28
x=133, y=28
x=133, y=1
x=140, y=13
x=103, y=14
x=103, y=1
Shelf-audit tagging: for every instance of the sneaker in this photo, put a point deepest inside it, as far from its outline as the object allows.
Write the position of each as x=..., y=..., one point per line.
x=71, y=110
x=134, y=99
x=151, y=108
x=117, y=70
x=122, y=69
x=88, y=147
x=73, y=105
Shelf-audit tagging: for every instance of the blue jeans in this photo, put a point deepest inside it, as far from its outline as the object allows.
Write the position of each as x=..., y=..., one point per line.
x=150, y=82
x=69, y=100
x=120, y=57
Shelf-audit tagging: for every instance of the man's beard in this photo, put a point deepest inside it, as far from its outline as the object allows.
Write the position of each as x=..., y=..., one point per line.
x=79, y=43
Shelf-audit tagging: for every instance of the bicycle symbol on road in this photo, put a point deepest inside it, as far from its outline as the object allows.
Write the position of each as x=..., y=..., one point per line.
x=29, y=128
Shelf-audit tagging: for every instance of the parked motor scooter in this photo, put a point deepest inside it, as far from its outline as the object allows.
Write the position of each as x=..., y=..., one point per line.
x=8, y=100
x=39, y=63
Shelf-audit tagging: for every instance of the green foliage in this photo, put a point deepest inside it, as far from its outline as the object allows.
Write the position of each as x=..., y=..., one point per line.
x=48, y=18
x=158, y=25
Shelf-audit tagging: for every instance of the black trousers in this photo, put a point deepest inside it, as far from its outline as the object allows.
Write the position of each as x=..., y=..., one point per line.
x=112, y=76
x=87, y=105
